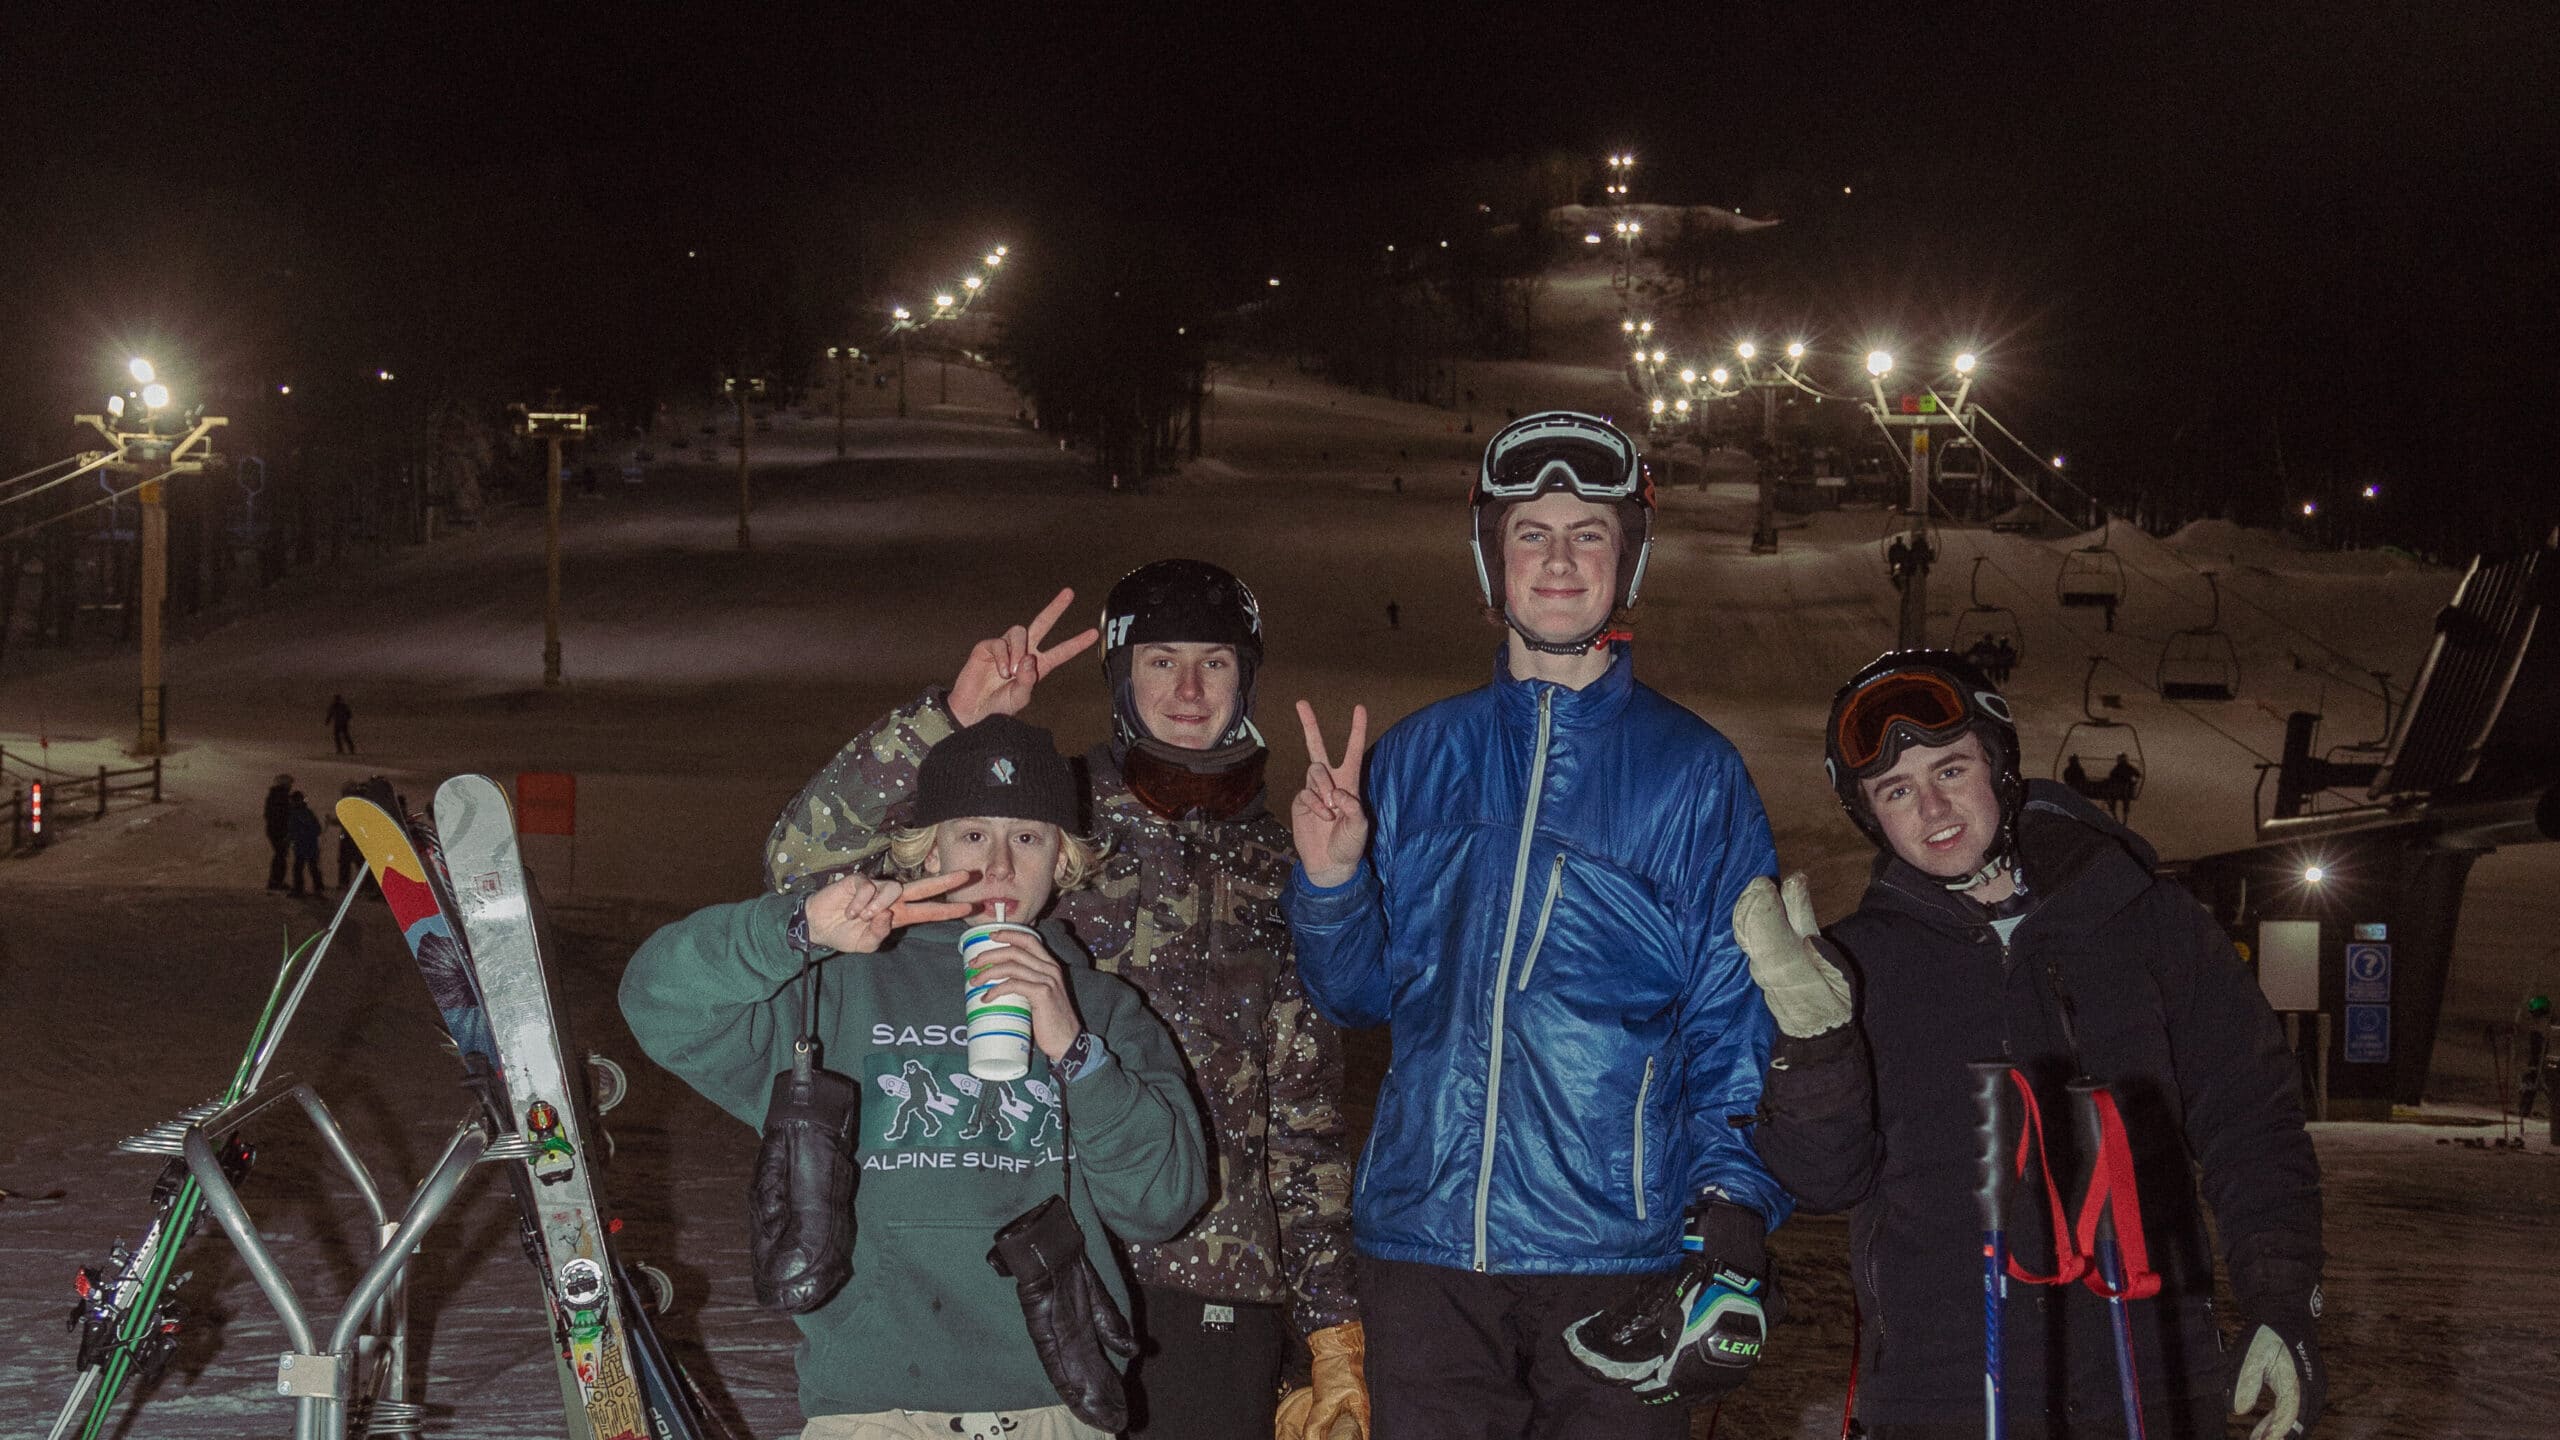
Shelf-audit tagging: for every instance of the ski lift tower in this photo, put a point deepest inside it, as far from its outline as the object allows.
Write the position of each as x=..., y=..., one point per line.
x=551, y=425
x=139, y=446
x=1921, y=413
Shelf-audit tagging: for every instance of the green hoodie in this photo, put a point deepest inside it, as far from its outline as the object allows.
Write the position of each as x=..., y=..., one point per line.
x=926, y=1323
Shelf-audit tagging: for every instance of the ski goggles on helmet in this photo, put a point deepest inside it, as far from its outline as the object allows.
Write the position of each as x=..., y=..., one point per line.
x=1592, y=458
x=1903, y=707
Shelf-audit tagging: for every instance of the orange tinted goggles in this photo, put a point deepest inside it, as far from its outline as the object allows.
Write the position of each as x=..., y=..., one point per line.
x=1926, y=704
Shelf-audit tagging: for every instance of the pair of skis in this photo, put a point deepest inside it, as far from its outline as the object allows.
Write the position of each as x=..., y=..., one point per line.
x=127, y=1316
x=460, y=897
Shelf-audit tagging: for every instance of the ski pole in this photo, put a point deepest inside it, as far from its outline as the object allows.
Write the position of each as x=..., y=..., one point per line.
x=1991, y=1198
x=2099, y=1195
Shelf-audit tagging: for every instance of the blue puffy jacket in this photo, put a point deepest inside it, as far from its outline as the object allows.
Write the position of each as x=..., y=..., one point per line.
x=1545, y=918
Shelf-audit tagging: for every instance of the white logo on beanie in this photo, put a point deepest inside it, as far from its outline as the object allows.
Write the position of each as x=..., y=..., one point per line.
x=1000, y=770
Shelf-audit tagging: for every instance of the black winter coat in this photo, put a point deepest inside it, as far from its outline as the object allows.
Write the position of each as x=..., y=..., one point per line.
x=2113, y=973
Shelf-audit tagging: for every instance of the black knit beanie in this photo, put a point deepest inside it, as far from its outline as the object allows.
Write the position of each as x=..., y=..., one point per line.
x=998, y=767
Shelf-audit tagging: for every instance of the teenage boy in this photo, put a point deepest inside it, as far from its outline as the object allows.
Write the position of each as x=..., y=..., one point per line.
x=1540, y=912
x=927, y=1332
x=2009, y=919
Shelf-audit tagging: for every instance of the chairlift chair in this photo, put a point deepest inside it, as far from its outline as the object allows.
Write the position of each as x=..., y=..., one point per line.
x=2092, y=577
x=1981, y=622
x=2201, y=663
x=2096, y=736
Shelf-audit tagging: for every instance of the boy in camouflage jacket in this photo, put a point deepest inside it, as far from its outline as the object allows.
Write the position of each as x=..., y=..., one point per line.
x=1185, y=907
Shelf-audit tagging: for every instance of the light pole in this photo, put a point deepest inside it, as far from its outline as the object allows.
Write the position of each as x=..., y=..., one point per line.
x=1768, y=377
x=151, y=458
x=843, y=355
x=1627, y=230
x=902, y=320
x=551, y=426
x=942, y=304
x=1919, y=414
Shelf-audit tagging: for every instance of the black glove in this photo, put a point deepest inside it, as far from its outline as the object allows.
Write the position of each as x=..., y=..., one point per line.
x=1072, y=1318
x=800, y=1202
x=1695, y=1331
x=2283, y=1360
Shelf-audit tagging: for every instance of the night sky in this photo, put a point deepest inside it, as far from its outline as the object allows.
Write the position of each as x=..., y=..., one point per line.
x=2340, y=216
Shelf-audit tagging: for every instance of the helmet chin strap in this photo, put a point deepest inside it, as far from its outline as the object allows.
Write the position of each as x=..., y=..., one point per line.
x=1592, y=639
x=1992, y=868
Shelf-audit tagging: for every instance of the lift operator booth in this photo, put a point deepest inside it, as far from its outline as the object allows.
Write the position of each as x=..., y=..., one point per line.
x=2350, y=913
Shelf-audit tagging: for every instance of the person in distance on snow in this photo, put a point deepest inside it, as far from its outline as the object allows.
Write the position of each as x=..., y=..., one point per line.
x=1186, y=908
x=926, y=1331
x=1558, y=1178
x=2011, y=919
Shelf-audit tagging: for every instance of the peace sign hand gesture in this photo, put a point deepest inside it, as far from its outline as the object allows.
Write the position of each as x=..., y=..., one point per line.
x=1326, y=819
x=855, y=913
x=1000, y=673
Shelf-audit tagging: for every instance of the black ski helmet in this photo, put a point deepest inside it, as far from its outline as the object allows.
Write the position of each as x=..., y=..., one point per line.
x=1179, y=602
x=1921, y=697
x=1561, y=450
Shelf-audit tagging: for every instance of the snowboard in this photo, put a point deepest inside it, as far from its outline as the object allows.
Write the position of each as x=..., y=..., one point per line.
x=614, y=1368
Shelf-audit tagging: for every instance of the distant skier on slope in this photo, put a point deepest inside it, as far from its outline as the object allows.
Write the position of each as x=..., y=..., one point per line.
x=2008, y=919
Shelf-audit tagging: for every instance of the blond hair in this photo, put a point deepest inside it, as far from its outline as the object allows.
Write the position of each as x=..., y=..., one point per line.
x=1079, y=859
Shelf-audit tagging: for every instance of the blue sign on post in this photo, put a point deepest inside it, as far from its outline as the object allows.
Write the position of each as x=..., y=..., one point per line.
x=2368, y=1034
x=2368, y=974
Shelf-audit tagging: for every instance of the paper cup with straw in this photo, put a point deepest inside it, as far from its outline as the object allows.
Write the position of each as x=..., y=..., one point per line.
x=999, y=1030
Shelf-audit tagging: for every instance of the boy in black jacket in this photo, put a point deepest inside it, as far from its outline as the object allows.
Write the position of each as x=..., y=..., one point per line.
x=2013, y=921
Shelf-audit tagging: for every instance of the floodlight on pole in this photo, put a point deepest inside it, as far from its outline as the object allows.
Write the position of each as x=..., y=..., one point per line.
x=1681, y=404
x=1795, y=349
x=1688, y=376
x=1879, y=363
x=141, y=370
x=1719, y=375
x=155, y=397
x=943, y=301
x=1965, y=363
x=1627, y=327
x=994, y=259
x=1661, y=355
x=901, y=313
x=115, y=406
x=1746, y=350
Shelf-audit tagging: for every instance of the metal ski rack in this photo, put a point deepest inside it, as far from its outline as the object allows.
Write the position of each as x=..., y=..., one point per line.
x=367, y=1349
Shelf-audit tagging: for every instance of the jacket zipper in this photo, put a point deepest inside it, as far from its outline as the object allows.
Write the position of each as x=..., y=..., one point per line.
x=1546, y=911
x=1502, y=971
x=1643, y=1088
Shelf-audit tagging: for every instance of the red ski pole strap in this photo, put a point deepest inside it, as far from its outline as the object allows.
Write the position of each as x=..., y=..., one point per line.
x=2070, y=1261
x=2112, y=1188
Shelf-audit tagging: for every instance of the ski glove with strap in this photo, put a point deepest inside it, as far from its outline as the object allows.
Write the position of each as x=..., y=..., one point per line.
x=2283, y=1360
x=1334, y=1404
x=800, y=1203
x=1805, y=990
x=1072, y=1317
x=1695, y=1331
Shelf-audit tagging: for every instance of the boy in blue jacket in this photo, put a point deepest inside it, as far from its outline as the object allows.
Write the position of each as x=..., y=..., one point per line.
x=1560, y=1216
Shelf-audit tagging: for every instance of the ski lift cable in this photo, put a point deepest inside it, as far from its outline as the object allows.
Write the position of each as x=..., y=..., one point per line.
x=2278, y=620
x=29, y=494
x=39, y=470
x=2139, y=681
x=80, y=509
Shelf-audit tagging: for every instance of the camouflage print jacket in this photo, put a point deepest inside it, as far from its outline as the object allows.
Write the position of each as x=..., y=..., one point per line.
x=1189, y=913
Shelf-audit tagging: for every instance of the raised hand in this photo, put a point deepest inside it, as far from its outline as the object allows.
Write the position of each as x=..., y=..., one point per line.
x=1001, y=673
x=855, y=914
x=1326, y=819
x=1779, y=935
